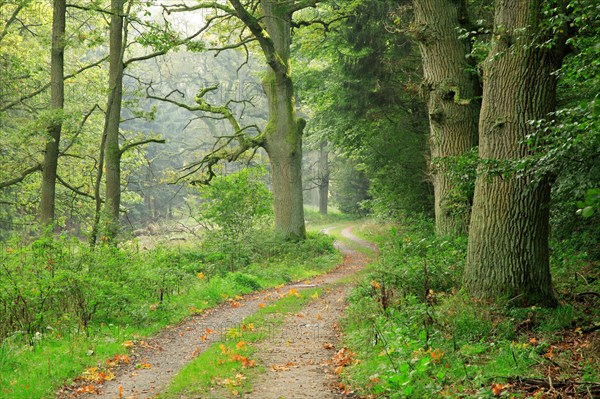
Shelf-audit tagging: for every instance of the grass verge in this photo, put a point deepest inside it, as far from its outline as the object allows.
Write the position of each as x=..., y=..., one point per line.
x=417, y=336
x=67, y=308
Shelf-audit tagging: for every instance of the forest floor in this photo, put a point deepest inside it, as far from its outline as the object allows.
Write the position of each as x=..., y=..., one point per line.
x=298, y=359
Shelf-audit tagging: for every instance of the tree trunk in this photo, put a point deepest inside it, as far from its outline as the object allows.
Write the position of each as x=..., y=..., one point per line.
x=508, y=239
x=450, y=90
x=283, y=133
x=57, y=100
x=113, y=119
x=323, y=178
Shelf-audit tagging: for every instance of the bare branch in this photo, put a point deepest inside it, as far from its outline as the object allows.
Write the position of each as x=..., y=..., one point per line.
x=138, y=143
x=222, y=150
x=241, y=43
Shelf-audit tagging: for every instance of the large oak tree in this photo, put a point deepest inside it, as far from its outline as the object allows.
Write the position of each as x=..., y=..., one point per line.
x=508, y=238
x=450, y=87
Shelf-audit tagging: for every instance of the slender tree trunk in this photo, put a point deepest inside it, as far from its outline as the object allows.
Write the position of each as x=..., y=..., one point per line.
x=508, y=239
x=97, y=194
x=323, y=178
x=113, y=119
x=450, y=90
x=57, y=100
x=283, y=133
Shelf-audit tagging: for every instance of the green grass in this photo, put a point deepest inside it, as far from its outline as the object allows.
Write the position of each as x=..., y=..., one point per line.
x=128, y=286
x=226, y=368
x=418, y=336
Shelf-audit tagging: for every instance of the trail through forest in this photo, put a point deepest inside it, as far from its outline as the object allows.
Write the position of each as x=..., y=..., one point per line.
x=297, y=357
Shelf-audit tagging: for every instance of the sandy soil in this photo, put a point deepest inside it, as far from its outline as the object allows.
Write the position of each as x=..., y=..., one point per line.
x=303, y=349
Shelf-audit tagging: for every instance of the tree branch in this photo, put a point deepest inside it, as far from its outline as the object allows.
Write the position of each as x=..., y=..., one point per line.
x=22, y=177
x=265, y=41
x=138, y=143
x=10, y=21
x=300, y=5
x=221, y=149
x=73, y=188
x=47, y=85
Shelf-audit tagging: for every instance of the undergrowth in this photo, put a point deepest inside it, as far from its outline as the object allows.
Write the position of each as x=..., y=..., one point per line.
x=416, y=335
x=65, y=307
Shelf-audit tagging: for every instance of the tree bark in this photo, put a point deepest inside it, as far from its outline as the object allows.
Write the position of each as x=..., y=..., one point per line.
x=283, y=133
x=450, y=90
x=57, y=100
x=508, y=239
x=323, y=178
x=113, y=120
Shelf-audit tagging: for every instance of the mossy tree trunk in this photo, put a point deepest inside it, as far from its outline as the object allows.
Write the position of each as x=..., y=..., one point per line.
x=113, y=119
x=283, y=132
x=508, y=239
x=57, y=100
x=450, y=89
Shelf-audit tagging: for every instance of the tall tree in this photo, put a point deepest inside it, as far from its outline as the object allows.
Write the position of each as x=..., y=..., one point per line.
x=270, y=23
x=283, y=132
x=508, y=238
x=112, y=150
x=450, y=88
x=57, y=100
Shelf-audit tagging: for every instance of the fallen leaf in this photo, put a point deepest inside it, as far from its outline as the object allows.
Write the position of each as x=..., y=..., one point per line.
x=497, y=389
x=120, y=391
x=200, y=275
x=240, y=345
x=261, y=305
x=327, y=345
x=278, y=367
x=144, y=365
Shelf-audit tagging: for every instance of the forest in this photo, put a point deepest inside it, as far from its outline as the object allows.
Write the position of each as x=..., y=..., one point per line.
x=300, y=199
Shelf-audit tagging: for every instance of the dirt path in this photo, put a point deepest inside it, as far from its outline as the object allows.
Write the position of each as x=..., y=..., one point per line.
x=156, y=362
x=298, y=359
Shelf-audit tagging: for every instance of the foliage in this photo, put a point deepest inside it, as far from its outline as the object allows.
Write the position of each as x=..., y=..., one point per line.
x=236, y=203
x=59, y=296
x=361, y=97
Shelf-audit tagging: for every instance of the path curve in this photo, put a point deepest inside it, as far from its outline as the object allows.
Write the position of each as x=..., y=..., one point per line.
x=175, y=346
x=308, y=341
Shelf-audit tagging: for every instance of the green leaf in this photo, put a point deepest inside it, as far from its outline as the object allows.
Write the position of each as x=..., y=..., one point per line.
x=587, y=212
